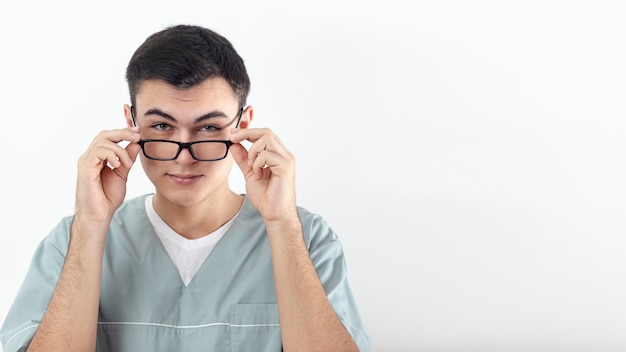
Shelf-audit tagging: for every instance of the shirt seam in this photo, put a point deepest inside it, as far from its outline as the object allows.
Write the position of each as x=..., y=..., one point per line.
x=362, y=333
x=171, y=326
x=19, y=332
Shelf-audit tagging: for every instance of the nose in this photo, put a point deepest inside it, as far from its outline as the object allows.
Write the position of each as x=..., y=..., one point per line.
x=185, y=156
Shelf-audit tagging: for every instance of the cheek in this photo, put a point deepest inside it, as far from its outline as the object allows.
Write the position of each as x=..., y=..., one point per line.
x=150, y=167
x=220, y=167
x=218, y=172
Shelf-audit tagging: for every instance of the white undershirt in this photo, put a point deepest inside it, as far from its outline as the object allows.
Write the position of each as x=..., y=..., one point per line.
x=187, y=255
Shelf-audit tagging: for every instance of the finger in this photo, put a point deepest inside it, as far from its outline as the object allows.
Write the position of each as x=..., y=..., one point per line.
x=273, y=156
x=258, y=165
x=266, y=143
x=240, y=154
x=108, y=140
x=130, y=134
x=276, y=163
x=95, y=160
x=251, y=134
x=112, y=153
x=261, y=138
x=132, y=150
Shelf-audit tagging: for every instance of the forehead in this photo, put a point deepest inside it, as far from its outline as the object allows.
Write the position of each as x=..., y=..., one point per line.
x=214, y=93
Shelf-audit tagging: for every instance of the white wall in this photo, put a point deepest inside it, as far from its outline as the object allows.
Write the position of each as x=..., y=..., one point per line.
x=470, y=154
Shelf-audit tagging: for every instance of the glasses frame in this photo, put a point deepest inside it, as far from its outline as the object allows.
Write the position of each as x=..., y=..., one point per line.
x=186, y=145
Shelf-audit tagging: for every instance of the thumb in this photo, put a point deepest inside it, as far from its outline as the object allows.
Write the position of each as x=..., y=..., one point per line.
x=133, y=150
x=240, y=154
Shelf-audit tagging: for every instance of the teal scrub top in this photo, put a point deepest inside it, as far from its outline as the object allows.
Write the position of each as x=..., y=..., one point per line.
x=230, y=305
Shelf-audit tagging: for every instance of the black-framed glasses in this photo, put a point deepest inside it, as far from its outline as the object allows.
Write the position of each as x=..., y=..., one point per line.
x=205, y=150
x=165, y=150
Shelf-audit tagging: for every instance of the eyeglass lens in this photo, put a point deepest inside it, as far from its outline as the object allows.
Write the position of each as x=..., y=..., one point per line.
x=207, y=151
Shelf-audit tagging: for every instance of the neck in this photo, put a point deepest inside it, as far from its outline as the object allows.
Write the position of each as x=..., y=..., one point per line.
x=198, y=220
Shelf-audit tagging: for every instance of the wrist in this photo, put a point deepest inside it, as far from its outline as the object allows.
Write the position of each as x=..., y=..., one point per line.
x=285, y=218
x=86, y=229
x=284, y=227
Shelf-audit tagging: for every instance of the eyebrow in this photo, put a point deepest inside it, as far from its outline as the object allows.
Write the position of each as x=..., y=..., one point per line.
x=210, y=115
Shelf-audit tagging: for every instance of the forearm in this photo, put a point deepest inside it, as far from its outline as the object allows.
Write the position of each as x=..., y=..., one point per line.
x=70, y=321
x=308, y=321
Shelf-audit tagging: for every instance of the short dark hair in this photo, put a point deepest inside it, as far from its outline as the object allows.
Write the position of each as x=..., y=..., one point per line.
x=185, y=56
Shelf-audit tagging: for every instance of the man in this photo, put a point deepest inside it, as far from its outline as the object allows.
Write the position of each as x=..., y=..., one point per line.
x=194, y=266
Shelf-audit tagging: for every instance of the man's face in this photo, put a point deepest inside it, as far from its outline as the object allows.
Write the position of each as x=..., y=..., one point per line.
x=205, y=112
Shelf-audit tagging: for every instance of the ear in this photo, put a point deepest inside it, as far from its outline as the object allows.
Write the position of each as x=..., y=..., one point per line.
x=129, y=116
x=246, y=117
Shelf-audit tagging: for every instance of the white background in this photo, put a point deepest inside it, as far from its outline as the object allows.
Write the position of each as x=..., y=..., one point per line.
x=469, y=154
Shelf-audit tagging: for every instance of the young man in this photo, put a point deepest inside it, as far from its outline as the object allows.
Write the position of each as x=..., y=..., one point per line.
x=194, y=266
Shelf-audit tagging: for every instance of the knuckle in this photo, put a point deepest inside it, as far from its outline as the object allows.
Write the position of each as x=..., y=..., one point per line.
x=101, y=135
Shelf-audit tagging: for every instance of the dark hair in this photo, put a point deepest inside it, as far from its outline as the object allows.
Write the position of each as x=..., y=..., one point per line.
x=185, y=56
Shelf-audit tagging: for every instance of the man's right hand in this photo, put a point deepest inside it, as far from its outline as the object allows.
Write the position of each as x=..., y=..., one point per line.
x=102, y=173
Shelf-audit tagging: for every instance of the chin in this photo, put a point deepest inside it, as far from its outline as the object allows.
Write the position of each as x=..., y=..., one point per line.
x=183, y=196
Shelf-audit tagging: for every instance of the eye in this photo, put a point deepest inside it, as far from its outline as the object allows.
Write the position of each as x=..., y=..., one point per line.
x=161, y=126
x=210, y=128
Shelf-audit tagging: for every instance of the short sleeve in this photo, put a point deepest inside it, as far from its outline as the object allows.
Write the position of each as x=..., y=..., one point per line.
x=328, y=258
x=33, y=297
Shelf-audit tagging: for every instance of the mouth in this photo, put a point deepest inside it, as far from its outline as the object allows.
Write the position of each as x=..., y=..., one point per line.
x=184, y=179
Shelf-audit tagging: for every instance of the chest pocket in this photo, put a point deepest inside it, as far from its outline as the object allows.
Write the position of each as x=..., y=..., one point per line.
x=255, y=327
